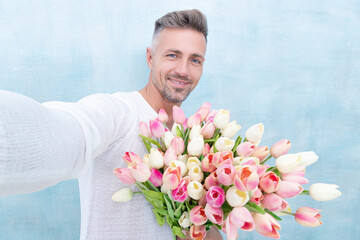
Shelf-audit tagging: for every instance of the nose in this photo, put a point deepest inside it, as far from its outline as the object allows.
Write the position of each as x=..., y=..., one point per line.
x=182, y=68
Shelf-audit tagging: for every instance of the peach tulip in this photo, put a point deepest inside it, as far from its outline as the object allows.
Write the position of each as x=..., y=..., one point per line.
x=197, y=232
x=269, y=182
x=215, y=215
x=246, y=178
x=172, y=177
x=266, y=225
x=198, y=216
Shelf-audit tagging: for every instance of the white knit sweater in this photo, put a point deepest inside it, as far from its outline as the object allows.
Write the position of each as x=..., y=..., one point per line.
x=42, y=144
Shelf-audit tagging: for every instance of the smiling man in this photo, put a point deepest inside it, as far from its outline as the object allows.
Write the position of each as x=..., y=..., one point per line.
x=86, y=140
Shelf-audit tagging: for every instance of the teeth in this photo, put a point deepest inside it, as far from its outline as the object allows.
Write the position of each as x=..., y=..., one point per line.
x=177, y=82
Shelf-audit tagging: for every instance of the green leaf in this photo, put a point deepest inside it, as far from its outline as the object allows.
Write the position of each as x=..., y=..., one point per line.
x=161, y=211
x=237, y=142
x=178, y=132
x=153, y=142
x=159, y=218
x=169, y=206
x=178, y=211
x=177, y=231
x=272, y=214
x=169, y=221
x=154, y=195
x=155, y=203
x=147, y=145
x=305, y=192
x=254, y=207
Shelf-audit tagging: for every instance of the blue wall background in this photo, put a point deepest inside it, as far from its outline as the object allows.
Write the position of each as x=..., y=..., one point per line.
x=293, y=65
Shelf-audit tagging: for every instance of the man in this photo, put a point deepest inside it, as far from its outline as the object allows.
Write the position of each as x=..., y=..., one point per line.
x=41, y=145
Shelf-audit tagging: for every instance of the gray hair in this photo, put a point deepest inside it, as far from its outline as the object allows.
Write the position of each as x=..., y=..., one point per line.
x=188, y=19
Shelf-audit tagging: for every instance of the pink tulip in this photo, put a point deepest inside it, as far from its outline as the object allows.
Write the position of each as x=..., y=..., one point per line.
x=178, y=115
x=198, y=216
x=222, y=158
x=211, y=180
x=257, y=196
x=208, y=130
x=280, y=148
x=215, y=215
x=288, y=189
x=144, y=129
x=180, y=193
x=163, y=117
x=124, y=175
x=296, y=176
x=261, y=153
x=245, y=149
x=197, y=232
x=172, y=177
x=261, y=169
x=207, y=163
x=206, y=149
x=215, y=196
x=266, y=225
x=140, y=171
x=178, y=144
x=211, y=115
x=131, y=157
x=156, y=177
x=274, y=202
x=157, y=128
x=246, y=178
x=269, y=182
x=308, y=217
x=226, y=173
x=204, y=111
x=170, y=155
x=193, y=120
x=241, y=218
x=202, y=200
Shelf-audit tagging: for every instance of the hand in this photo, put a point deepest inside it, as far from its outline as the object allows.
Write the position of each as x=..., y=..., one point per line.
x=212, y=234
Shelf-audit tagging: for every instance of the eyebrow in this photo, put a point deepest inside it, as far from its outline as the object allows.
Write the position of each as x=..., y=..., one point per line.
x=179, y=52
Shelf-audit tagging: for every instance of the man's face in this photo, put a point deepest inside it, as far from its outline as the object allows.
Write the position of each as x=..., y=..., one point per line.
x=176, y=63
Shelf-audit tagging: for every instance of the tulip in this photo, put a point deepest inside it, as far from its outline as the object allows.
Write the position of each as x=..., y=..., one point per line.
x=183, y=158
x=288, y=162
x=130, y=157
x=324, y=192
x=215, y=196
x=167, y=138
x=215, y=215
x=274, y=202
x=308, y=217
x=296, y=176
x=195, y=132
x=156, y=177
x=184, y=220
x=196, y=174
x=165, y=190
x=237, y=161
x=241, y=218
x=178, y=115
x=169, y=156
x=195, y=190
x=197, y=216
x=288, y=189
x=261, y=153
x=269, y=182
x=180, y=193
x=193, y=120
x=144, y=129
x=206, y=149
x=140, y=171
x=177, y=163
x=211, y=115
x=251, y=161
x=255, y=133
x=192, y=162
x=226, y=173
x=204, y=111
x=207, y=163
x=197, y=232
x=231, y=129
x=245, y=149
x=257, y=196
x=157, y=128
x=208, y=130
x=178, y=144
x=146, y=160
x=124, y=175
x=196, y=146
x=236, y=198
x=222, y=158
x=224, y=144
x=280, y=148
x=123, y=195
x=163, y=117
x=173, y=129
x=211, y=180
x=246, y=178
x=172, y=177
x=266, y=225
x=308, y=158
x=202, y=200
x=222, y=118
x=156, y=158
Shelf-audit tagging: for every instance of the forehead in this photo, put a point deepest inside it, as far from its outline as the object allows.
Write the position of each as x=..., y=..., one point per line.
x=187, y=41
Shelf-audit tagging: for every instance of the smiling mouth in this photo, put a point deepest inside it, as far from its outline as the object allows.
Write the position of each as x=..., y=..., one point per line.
x=179, y=83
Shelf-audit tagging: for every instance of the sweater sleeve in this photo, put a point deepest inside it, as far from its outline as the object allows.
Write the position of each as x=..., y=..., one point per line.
x=42, y=144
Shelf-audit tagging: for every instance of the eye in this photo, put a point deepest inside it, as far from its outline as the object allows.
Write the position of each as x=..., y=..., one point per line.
x=196, y=61
x=171, y=55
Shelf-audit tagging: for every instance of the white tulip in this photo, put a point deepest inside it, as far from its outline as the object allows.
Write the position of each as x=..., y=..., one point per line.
x=196, y=146
x=308, y=158
x=324, y=192
x=146, y=160
x=123, y=195
x=193, y=161
x=173, y=129
x=254, y=159
x=165, y=190
x=288, y=162
x=237, y=161
x=195, y=190
x=183, y=158
x=196, y=174
x=177, y=163
x=184, y=220
x=168, y=137
x=236, y=198
x=231, y=130
x=156, y=158
x=222, y=118
x=224, y=144
x=255, y=133
x=195, y=131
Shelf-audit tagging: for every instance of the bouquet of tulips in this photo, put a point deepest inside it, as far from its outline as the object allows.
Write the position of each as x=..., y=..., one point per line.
x=197, y=174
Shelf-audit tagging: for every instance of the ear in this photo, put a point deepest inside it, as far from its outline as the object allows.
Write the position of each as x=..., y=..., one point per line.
x=149, y=57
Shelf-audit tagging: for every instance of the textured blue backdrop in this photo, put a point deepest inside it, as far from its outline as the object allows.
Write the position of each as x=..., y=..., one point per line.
x=293, y=65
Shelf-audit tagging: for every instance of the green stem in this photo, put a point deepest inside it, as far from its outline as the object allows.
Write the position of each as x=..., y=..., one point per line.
x=153, y=142
x=305, y=192
x=266, y=159
x=141, y=186
x=152, y=186
x=289, y=213
x=137, y=193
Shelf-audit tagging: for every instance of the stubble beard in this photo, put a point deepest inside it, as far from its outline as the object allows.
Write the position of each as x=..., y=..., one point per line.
x=174, y=95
